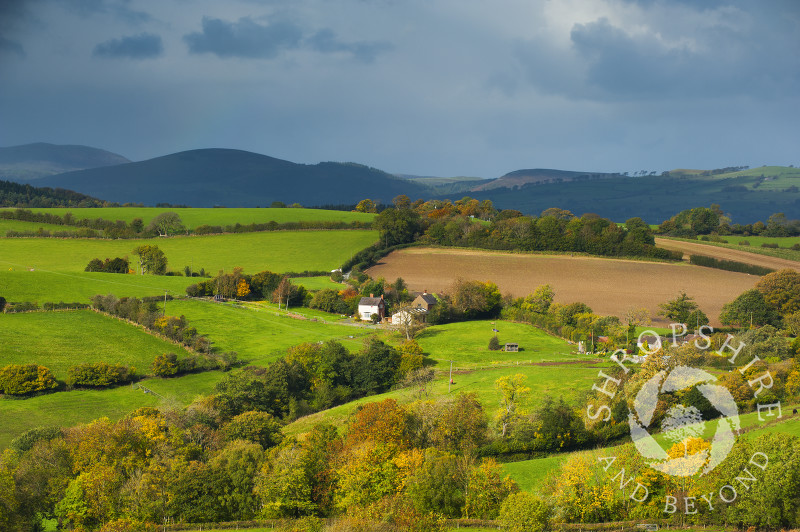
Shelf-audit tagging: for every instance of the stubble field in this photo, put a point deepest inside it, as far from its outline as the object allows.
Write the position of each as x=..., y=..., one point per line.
x=608, y=286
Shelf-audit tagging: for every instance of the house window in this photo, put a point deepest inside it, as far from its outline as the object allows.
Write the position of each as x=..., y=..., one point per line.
x=367, y=314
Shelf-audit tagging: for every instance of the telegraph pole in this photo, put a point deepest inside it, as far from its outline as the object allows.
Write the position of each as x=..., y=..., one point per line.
x=450, y=383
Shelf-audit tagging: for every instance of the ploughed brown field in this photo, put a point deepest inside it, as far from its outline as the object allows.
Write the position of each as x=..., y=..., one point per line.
x=608, y=286
x=721, y=253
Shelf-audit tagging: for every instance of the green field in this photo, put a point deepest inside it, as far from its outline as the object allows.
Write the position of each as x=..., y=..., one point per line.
x=17, y=225
x=279, y=251
x=529, y=474
x=66, y=409
x=62, y=339
x=193, y=217
x=46, y=286
x=318, y=283
x=466, y=344
x=260, y=336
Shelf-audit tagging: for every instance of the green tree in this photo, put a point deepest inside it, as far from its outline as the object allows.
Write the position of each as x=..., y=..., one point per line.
x=678, y=309
x=257, y=427
x=151, y=259
x=748, y=308
x=166, y=223
x=397, y=226
x=525, y=512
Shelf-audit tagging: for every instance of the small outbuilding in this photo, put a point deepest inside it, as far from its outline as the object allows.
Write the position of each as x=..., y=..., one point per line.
x=511, y=347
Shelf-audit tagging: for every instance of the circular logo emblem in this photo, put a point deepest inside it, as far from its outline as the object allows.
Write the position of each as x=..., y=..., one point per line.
x=682, y=422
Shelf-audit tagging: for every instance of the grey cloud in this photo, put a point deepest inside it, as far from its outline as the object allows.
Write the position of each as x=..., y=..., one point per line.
x=325, y=41
x=143, y=46
x=7, y=46
x=244, y=38
x=117, y=8
x=705, y=55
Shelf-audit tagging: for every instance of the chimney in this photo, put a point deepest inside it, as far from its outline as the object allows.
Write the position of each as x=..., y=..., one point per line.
x=425, y=292
x=372, y=295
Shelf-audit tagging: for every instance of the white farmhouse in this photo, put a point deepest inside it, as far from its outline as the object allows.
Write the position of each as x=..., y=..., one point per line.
x=368, y=306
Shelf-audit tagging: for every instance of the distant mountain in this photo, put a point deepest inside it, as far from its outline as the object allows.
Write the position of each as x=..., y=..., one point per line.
x=446, y=185
x=235, y=178
x=34, y=161
x=539, y=176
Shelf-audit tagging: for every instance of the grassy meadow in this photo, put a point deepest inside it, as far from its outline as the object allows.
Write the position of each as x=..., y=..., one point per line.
x=466, y=344
x=280, y=251
x=259, y=335
x=194, y=217
x=19, y=225
x=54, y=286
x=62, y=339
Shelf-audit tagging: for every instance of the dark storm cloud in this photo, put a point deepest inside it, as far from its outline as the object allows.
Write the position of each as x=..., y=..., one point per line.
x=118, y=8
x=713, y=54
x=326, y=41
x=244, y=38
x=143, y=46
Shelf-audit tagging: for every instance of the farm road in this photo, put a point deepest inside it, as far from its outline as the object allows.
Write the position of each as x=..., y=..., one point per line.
x=608, y=286
x=719, y=252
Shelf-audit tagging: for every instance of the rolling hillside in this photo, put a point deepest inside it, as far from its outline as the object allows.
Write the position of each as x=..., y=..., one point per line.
x=235, y=178
x=748, y=196
x=33, y=161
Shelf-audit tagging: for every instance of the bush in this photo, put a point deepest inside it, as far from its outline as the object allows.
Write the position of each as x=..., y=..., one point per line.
x=770, y=245
x=165, y=365
x=744, y=243
x=494, y=344
x=524, y=512
x=99, y=375
x=25, y=379
x=2, y=303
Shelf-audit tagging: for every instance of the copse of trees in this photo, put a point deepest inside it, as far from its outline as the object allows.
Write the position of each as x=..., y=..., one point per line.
x=115, y=265
x=712, y=221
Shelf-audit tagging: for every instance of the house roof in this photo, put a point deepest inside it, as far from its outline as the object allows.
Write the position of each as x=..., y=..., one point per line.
x=428, y=298
x=371, y=301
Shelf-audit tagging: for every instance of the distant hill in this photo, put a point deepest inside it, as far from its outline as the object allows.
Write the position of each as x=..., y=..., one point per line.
x=446, y=185
x=34, y=161
x=539, y=176
x=235, y=178
x=25, y=195
x=748, y=195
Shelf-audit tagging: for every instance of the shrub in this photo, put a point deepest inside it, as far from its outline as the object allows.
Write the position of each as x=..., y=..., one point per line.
x=494, y=344
x=770, y=245
x=165, y=365
x=2, y=303
x=744, y=243
x=24, y=379
x=524, y=512
x=99, y=374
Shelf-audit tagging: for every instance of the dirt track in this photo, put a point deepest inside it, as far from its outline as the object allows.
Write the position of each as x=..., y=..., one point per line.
x=608, y=286
x=718, y=252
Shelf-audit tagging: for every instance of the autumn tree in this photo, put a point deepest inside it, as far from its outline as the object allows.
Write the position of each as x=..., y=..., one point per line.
x=366, y=205
x=512, y=393
x=781, y=290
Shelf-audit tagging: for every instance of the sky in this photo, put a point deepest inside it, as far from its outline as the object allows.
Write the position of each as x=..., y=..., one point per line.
x=425, y=87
